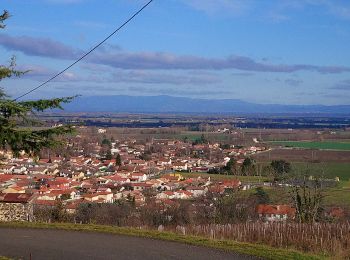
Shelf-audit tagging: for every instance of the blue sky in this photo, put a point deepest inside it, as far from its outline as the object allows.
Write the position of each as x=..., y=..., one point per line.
x=271, y=51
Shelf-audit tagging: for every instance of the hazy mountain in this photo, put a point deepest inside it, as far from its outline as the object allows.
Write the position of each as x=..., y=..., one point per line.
x=165, y=104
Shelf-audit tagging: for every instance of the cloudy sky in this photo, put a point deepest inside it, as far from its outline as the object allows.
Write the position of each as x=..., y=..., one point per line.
x=271, y=51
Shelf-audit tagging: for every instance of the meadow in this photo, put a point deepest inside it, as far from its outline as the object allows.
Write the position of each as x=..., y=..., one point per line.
x=335, y=196
x=323, y=145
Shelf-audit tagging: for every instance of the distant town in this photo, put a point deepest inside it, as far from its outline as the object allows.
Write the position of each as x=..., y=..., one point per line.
x=111, y=165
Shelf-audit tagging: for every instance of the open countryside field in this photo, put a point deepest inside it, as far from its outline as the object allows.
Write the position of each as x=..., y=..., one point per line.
x=336, y=196
x=303, y=155
x=328, y=170
x=327, y=145
x=220, y=177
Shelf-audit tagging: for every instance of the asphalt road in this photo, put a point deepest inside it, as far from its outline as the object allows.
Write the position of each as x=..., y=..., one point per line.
x=59, y=244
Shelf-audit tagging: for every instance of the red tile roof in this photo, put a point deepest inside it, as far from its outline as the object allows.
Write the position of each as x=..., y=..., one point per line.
x=275, y=209
x=15, y=197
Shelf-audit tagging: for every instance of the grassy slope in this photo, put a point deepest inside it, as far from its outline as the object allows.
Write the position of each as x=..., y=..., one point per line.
x=243, y=248
x=338, y=196
x=327, y=170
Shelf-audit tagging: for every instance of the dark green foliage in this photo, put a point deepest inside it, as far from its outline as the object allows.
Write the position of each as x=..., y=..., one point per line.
x=14, y=113
x=261, y=196
x=65, y=197
x=231, y=167
x=225, y=146
x=106, y=142
x=201, y=140
x=280, y=168
x=108, y=155
x=118, y=160
x=3, y=17
x=248, y=167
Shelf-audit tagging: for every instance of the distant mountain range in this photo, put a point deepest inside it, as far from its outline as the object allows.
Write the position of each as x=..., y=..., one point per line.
x=168, y=104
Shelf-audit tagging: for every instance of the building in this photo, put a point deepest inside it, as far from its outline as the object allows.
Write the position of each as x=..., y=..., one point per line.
x=16, y=207
x=275, y=212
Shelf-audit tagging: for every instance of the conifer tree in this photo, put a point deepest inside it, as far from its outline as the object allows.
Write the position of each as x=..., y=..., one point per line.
x=16, y=116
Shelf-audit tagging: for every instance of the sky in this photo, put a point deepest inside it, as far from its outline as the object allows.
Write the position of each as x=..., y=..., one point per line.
x=269, y=52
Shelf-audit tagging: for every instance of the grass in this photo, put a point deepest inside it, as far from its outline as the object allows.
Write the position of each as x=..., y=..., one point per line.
x=220, y=177
x=228, y=245
x=326, y=145
x=327, y=169
x=337, y=196
x=4, y=258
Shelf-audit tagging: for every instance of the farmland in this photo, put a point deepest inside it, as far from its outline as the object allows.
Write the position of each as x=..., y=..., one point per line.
x=326, y=145
x=304, y=155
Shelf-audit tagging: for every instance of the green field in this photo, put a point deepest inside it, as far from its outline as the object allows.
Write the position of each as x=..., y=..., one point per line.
x=220, y=177
x=337, y=196
x=327, y=145
x=325, y=170
x=328, y=170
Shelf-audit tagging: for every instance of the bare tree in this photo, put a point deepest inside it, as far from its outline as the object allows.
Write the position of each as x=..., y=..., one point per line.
x=307, y=199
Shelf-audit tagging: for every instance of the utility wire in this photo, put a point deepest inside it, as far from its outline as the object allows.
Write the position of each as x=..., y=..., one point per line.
x=86, y=54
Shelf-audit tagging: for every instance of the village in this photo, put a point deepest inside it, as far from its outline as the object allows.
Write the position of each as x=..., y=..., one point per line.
x=112, y=171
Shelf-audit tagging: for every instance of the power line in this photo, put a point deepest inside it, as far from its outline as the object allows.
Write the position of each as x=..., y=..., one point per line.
x=90, y=51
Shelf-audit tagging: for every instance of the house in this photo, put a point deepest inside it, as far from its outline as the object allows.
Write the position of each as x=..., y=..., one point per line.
x=163, y=162
x=101, y=197
x=14, y=189
x=183, y=194
x=200, y=169
x=139, y=176
x=166, y=195
x=141, y=186
x=231, y=184
x=78, y=176
x=179, y=166
x=8, y=169
x=101, y=131
x=275, y=212
x=197, y=191
x=40, y=203
x=19, y=170
x=37, y=170
x=173, y=176
x=16, y=207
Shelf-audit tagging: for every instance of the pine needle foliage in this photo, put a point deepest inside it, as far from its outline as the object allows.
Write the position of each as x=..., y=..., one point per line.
x=15, y=115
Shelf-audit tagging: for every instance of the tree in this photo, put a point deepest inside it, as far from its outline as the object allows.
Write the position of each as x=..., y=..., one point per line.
x=118, y=160
x=106, y=142
x=280, y=168
x=248, y=166
x=109, y=155
x=230, y=167
x=261, y=196
x=14, y=114
x=307, y=199
x=201, y=140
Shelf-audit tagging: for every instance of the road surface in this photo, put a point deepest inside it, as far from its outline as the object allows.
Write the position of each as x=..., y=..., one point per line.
x=37, y=244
